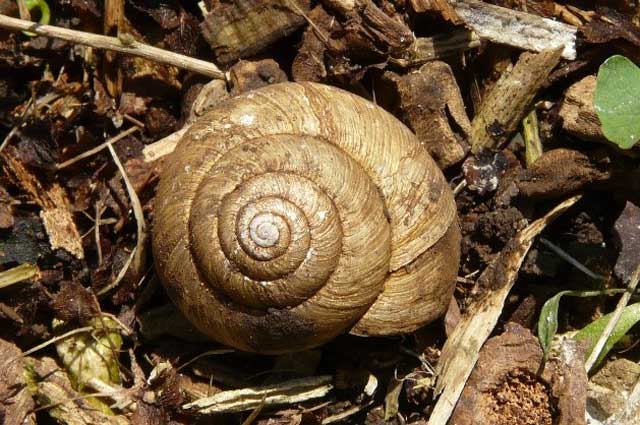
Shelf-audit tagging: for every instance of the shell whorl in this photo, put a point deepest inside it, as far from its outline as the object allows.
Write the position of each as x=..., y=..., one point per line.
x=298, y=211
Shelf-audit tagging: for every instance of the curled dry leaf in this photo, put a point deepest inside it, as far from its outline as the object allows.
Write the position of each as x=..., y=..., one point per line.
x=52, y=389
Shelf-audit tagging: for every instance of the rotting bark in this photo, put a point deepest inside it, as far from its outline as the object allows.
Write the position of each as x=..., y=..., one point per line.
x=510, y=100
x=430, y=102
x=243, y=28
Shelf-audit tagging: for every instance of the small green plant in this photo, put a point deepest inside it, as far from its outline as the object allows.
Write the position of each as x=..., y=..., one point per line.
x=43, y=8
x=617, y=101
x=548, y=321
x=591, y=332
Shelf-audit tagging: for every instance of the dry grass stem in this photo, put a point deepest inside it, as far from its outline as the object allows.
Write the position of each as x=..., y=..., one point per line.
x=122, y=44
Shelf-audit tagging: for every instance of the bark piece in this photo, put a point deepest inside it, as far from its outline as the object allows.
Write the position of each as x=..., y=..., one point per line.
x=237, y=29
x=559, y=172
x=52, y=199
x=431, y=104
x=578, y=115
x=309, y=63
x=519, y=29
x=509, y=101
x=248, y=75
x=370, y=33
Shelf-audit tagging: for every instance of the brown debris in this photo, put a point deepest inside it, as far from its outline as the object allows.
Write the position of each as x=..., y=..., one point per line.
x=560, y=172
x=75, y=303
x=502, y=110
x=627, y=237
x=247, y=75
x=430, y=102
x=317, y=44
x=16, y=404
x=578, y=115
x=608, y=25
x=609, y=388
x=441, y=7
x=245, y=27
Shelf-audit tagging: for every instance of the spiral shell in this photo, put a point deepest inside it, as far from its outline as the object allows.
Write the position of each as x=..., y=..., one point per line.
x=299, y=211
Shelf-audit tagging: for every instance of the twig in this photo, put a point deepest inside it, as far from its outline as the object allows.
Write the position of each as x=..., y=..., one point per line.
x=123, y=45
x=606, y=333
x=54, y=340
x=530, y=131
x=140, y=252
x=569, y=259
x=98, y=148
x=17, y=274
x=502, y=110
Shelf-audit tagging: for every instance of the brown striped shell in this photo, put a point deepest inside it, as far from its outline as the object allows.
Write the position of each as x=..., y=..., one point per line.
x=296, y=212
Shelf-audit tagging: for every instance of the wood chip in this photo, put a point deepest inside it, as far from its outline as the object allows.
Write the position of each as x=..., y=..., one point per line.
x=518, y=29
x=288, y=392
x=245, y=27
x=578, y=115
x=510, y=100
x=460, y=352
x=52, y=199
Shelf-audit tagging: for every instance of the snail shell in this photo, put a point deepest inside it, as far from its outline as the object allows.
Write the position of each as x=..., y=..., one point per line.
x=299, y=211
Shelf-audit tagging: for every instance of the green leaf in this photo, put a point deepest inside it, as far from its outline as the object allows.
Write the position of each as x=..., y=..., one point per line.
x=617, y=100
x=591, y=332
x=548, y=321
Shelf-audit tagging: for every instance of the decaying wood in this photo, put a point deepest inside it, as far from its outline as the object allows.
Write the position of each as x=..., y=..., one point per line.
x=578, y=115
x=113, y=25
x=460, y=352
x=122, y=44
x=309, y=63
x=288, y=392
x=511, y=384
x=519, y=29
x=443, y=7
x=503, y=109
x=242, y=28
x=428, y=99
x=54, y=203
